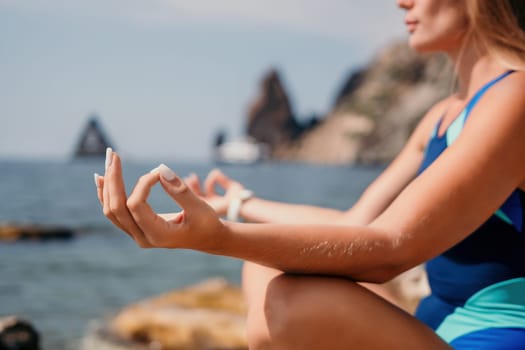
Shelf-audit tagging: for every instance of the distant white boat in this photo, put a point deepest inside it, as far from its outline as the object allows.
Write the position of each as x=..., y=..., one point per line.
x=241, y=151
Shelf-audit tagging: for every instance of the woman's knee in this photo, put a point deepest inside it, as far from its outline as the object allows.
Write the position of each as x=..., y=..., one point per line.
x=302, y=310
x=307, y=312
x=270, y=317
x=289, y=309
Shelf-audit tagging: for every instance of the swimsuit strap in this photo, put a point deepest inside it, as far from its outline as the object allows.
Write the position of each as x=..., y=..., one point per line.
x=456, y=126
x=482, y=91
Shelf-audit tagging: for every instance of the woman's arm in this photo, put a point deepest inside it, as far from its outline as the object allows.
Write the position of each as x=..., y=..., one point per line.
x=457, y=193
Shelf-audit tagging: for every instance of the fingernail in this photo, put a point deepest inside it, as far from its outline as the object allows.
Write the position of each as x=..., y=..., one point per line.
x=169, y=175
x=109, y=156
x=95, y=176
x=154, y=170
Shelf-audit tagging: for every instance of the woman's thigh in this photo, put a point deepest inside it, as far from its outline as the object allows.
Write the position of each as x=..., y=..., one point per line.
x=312, y=312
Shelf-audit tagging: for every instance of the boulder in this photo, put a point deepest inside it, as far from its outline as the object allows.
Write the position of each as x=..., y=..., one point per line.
x=210, y=315
x=18, y=334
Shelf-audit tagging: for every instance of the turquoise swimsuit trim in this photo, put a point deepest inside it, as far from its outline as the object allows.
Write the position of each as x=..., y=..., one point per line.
x=501, y=305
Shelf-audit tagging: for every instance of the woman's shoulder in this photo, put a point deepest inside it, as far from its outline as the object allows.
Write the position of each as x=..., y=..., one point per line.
x=513, y=83
x=506, y=100
x=498, y=116
x=511, y=87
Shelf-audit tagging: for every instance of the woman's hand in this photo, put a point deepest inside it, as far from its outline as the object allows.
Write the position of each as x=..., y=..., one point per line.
x=219, y=202
x=197, y=226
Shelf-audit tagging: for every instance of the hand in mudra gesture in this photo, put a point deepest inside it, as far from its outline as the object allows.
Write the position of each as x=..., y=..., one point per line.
x=197, y=226
x=215, y=179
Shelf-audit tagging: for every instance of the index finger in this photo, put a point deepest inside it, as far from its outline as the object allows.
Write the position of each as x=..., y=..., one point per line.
x=216, y=177
x=144, y=216
x=193, y=183
x=115, y=199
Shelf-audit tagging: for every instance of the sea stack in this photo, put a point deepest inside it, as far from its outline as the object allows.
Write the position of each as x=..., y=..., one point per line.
x=93, y=141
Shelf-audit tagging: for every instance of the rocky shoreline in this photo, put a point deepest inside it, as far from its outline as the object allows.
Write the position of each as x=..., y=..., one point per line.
x=206, y=316
x=372, y=116
x=210, y=316
x=10, y=232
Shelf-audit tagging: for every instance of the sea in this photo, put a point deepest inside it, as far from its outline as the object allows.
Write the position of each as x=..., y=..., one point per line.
x=63, y=286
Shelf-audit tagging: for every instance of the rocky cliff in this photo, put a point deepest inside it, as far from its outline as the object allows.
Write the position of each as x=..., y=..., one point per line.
x=271, y=119
x=372, y=117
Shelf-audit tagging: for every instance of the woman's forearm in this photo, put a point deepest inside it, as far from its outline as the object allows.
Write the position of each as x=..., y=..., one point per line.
x=360, y=253
x=259, y=210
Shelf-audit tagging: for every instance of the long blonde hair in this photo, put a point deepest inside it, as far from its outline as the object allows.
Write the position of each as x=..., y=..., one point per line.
x=499, y=25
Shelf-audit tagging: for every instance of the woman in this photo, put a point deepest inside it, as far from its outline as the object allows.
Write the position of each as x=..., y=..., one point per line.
x=454, y=200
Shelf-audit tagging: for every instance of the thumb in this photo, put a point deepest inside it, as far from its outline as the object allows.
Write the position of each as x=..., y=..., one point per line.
x=176, y=188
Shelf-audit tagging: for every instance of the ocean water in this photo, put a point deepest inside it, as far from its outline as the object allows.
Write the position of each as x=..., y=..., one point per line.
x=60, y=286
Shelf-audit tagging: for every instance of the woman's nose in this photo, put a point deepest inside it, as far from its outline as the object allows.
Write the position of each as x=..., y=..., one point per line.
x=405, y=4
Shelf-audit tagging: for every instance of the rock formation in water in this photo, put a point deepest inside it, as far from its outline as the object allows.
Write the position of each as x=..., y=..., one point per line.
x=375, y=111
x=270, y=118
x=93, y=141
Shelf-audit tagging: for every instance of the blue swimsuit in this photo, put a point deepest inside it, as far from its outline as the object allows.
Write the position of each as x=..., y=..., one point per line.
x=478, y=286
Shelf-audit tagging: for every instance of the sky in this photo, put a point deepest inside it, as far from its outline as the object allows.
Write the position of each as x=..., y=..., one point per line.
x=165, y=75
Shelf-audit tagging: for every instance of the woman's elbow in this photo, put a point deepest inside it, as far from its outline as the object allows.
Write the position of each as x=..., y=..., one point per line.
x=378, y=274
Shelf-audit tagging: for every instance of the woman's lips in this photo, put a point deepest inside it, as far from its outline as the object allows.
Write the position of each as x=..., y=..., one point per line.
x=411, y=25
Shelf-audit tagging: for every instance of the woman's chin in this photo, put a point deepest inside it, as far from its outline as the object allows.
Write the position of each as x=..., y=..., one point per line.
x=420, y=46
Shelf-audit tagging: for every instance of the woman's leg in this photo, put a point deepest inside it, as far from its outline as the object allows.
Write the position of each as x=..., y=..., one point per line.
x=308, y=312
